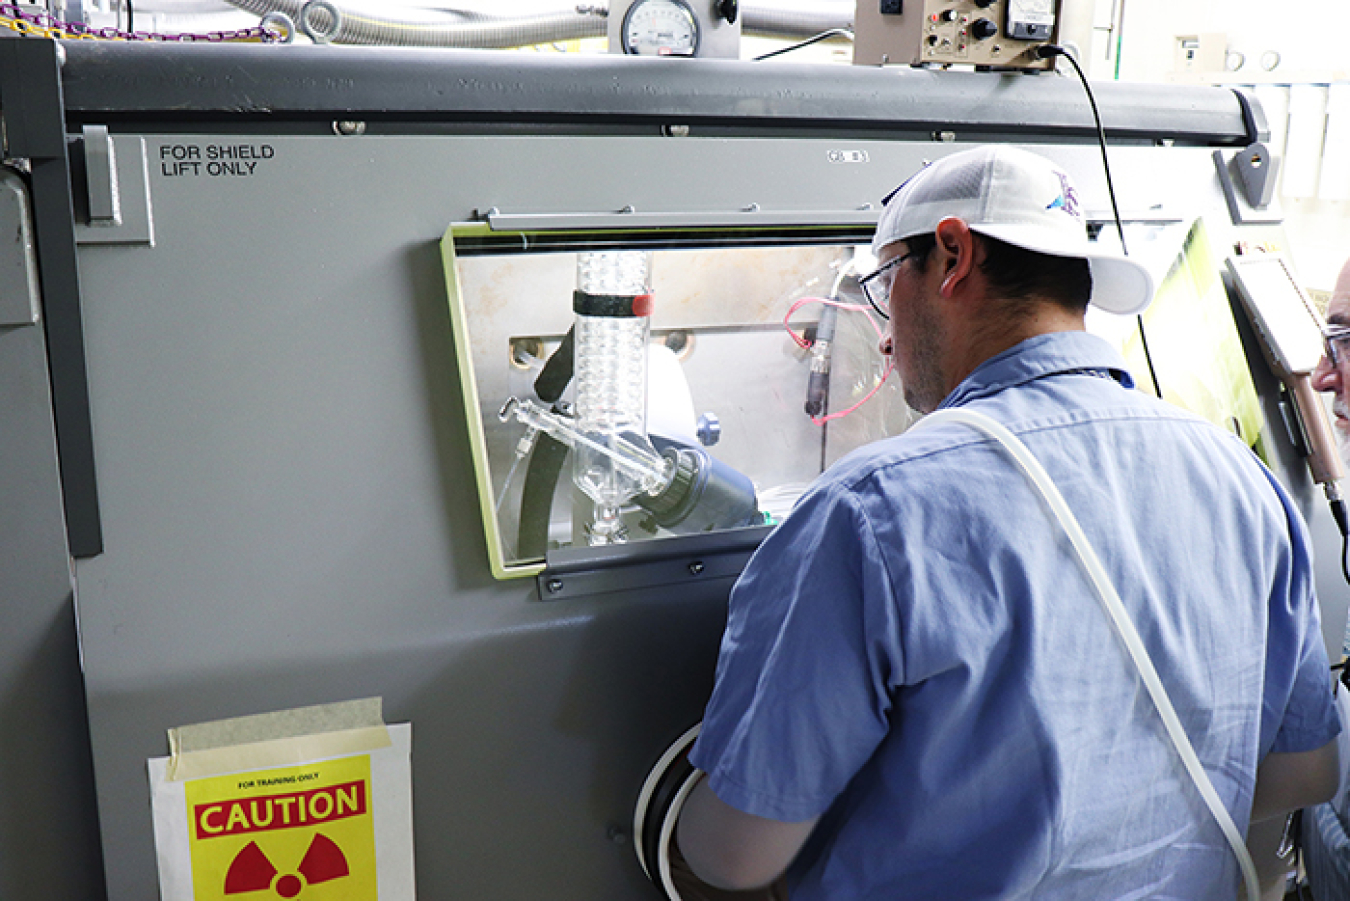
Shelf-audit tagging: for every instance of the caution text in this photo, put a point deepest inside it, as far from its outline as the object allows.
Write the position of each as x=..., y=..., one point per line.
x=307, y=808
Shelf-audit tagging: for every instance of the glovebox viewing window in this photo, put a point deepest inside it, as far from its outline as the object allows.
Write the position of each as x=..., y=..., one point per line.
x=622, y=388
x=627, y=386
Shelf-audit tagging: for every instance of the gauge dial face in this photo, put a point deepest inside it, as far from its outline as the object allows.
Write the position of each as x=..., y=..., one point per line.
x=660, y=28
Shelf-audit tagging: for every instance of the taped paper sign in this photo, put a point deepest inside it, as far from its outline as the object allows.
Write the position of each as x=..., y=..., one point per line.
x=318, y=830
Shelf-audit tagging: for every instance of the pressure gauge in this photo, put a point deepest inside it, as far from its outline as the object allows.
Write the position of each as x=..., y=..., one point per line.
x=660, y=28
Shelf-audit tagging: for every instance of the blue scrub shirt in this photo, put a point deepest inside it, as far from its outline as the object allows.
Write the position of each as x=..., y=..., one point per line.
x=916, y=655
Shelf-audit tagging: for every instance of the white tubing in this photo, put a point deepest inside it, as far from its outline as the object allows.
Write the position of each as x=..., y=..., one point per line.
x=1115, y=610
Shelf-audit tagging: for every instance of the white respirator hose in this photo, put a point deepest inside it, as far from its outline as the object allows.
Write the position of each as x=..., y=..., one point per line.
x=1125, y=629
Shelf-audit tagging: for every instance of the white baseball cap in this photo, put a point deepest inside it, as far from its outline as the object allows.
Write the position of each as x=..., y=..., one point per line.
x=1017, y=197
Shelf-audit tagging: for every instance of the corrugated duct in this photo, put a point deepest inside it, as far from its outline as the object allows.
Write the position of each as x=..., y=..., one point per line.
x=373, y=23
x=796, y=18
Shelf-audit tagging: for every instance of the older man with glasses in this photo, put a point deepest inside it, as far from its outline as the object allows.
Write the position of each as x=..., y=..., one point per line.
x=1327, y=827
x=918, y=694
x=1333, y=373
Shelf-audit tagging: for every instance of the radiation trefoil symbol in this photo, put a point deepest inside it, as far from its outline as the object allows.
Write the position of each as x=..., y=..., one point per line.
x=251, y=871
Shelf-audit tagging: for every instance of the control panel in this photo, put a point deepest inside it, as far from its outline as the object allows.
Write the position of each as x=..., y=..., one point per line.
x=1000, y=34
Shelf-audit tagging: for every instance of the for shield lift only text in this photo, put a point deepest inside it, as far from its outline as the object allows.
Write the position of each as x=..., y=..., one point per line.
x=213, y=160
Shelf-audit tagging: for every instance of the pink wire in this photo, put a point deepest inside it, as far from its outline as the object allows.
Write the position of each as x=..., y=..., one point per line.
x=806, y=345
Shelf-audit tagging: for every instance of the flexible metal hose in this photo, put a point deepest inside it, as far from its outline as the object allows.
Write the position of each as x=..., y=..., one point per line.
x=796, y=18
x=365, y=25
x=177, y=23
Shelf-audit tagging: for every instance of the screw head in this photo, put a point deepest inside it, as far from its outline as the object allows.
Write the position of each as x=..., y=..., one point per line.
x=709, y=429
x=555, y=585
x=696, y=568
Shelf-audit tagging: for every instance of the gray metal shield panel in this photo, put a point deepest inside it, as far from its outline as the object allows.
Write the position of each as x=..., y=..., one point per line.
x=292, y=519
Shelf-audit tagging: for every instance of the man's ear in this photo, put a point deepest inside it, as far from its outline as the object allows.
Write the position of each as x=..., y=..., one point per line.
x=956, y=249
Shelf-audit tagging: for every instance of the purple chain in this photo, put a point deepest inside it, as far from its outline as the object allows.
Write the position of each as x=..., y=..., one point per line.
x=45, y=21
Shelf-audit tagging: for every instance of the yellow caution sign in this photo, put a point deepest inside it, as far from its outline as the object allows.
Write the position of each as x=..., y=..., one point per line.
x=304, y=832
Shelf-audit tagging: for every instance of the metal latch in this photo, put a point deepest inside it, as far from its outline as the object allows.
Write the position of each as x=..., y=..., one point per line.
x=111, y=187
x=100, y=166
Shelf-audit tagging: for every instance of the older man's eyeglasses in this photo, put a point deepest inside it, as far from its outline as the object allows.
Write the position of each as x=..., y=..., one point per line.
x=876, y=285
x=1336, y=339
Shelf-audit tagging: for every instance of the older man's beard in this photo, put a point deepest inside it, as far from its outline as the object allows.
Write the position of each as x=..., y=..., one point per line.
x=1340, y=423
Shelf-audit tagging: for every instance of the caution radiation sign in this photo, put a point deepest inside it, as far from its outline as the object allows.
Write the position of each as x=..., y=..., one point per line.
x=334, y=827
x=300, y=832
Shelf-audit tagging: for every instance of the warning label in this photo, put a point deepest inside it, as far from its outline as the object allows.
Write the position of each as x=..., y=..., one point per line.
x=302, y=832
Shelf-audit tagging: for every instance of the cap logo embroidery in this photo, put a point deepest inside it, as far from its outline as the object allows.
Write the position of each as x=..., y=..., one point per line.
x=1067, y=199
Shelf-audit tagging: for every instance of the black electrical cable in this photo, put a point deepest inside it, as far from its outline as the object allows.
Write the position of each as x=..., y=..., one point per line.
x=1338, y=509
x=1046, y=51
x=1338, y=513
x=824, y=35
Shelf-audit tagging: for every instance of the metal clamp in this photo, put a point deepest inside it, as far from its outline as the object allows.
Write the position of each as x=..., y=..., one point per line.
x=1248, y=182
x=280, y=24
x=307, y=25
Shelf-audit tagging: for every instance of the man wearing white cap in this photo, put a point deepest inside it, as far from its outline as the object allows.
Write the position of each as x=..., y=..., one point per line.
x=919, y=694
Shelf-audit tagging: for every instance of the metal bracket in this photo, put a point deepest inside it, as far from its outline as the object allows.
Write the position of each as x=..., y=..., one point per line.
x=581, y=572
x=628, y=218
x=112, y=188
x=1248, y=182
x=100, y=167
x=750, y=217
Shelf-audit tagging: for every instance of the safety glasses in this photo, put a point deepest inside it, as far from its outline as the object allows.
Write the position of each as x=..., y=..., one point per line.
x=1335, y=338
x=876, y=285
